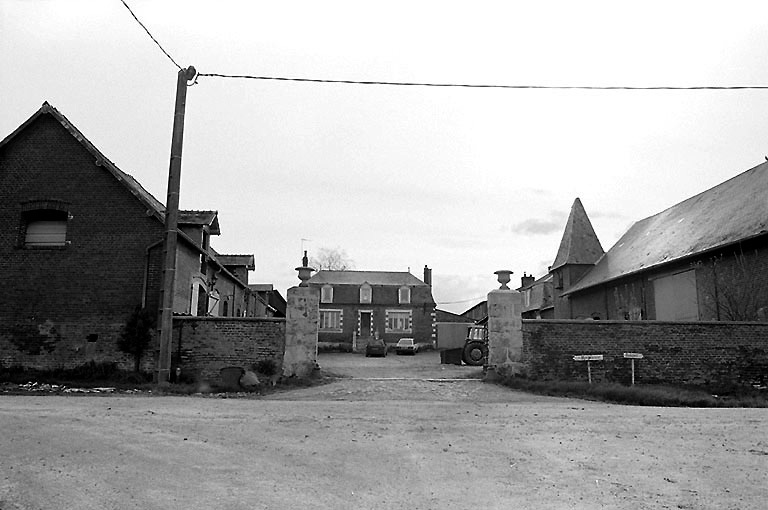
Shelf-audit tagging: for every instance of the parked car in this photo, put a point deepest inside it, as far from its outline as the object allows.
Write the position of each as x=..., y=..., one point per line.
x=376, y=348
x=406, y=346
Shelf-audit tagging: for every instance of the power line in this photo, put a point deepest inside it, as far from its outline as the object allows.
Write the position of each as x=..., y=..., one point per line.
x=486, y=86
x=150, y=35
x=449, y=85
x=462, y=301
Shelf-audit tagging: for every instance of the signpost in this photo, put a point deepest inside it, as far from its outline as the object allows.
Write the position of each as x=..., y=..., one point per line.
x=588, y=358
x=632, y=356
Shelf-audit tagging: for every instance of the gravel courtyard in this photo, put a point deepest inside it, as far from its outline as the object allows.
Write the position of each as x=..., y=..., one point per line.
x=397, y=432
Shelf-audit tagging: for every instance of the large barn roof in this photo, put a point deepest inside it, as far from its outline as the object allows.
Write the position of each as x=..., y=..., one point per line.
x=733, y=211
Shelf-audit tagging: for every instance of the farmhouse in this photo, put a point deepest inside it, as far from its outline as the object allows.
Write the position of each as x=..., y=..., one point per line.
x=362, y=304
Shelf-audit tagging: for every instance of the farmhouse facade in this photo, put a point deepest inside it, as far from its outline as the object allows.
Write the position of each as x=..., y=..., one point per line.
x=364, y=304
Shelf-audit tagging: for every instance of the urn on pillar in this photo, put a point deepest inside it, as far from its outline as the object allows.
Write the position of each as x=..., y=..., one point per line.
x=305, y=272
x=503, y=275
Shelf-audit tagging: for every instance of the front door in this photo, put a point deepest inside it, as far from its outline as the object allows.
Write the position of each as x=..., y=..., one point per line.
x=365, y=324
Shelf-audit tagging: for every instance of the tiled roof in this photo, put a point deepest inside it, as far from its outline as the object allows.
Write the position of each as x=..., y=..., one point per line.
x=208, y=218
x=238, y=260
x=371, y=277
x=732, y=211
x=579, y=244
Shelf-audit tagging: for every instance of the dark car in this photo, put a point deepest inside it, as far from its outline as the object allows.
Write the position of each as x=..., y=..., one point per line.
x=406, y=346
x=376, y=348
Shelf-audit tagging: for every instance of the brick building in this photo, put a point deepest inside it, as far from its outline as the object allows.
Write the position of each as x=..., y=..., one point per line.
x=703, y=259
x=364, y=303
x=81, y=246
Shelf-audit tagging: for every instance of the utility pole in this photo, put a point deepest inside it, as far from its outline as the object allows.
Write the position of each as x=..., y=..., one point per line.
x=171, y=223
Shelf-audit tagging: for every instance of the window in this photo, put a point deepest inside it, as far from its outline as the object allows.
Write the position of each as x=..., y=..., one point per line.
x=365, y=293
x=404, y=295
x=198, y=305
x=44, y=228
x=399, y=321
x=326, y=294
x=330, y=320
x=676, y=297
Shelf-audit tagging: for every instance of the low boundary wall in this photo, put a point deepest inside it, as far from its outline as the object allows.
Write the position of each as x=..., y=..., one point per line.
x=673, y=352
x=202, y=346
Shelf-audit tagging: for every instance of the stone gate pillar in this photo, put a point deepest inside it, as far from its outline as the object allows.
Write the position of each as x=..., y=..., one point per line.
x=301, y=322
x=505, y=335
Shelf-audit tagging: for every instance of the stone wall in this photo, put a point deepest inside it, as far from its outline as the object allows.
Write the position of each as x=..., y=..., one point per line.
x=202, y=346
x=673, y=352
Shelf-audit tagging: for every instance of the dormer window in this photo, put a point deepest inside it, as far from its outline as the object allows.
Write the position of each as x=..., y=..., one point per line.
x=326, y=294
x=404, y=295
x=365, y=293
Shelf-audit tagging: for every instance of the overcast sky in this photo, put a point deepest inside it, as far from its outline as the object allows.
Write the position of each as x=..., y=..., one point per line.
x=465, y=180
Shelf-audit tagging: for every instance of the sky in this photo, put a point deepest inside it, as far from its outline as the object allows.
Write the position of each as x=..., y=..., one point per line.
x=464, y=180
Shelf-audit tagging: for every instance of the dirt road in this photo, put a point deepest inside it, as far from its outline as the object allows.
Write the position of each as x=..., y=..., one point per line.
x=393, y=435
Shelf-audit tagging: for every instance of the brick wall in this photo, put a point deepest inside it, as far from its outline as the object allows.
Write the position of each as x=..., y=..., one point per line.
x=54, y=299
x=50, y=345
x=674, y=352
x=202, y=346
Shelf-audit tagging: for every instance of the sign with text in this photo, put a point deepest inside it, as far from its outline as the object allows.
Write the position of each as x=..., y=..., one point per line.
x=588, y=357
x=633, y=355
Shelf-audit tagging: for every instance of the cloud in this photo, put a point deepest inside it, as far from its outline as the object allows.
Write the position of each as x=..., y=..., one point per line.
x=536, y=226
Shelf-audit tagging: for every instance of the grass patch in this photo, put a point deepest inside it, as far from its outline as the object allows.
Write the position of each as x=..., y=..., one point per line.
x=644, y=395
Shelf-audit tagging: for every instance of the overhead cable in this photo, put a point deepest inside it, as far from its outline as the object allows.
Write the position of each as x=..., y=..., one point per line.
x=487, y=86
x=448, y=85
x=150, y=35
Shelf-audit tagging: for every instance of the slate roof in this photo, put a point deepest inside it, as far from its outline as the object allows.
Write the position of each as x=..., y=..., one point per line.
x=238, y=260
x=733, y=211
x=371, y=277
x=207, y=218
x=579, y=244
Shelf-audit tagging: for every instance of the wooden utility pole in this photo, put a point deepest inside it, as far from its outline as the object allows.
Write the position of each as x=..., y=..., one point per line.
x=171, y=223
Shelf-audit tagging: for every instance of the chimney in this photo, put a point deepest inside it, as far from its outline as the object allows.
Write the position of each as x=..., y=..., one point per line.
x=427, y=276
x=527, y=280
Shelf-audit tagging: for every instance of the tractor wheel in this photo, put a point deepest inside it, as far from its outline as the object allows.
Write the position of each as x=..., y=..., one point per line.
x=475, y=353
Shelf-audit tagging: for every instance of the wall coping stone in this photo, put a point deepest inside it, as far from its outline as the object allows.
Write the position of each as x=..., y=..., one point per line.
x=646, y=322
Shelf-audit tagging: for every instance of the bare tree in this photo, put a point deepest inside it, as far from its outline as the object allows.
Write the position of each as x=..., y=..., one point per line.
x=331, y=259
x=733, y=287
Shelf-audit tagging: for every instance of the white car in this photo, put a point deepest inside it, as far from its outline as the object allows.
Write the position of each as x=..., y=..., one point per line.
x=406, y=346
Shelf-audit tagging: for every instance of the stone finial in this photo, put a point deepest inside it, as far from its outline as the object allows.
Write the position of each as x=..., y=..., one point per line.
x=305, y=272
x=503, y=275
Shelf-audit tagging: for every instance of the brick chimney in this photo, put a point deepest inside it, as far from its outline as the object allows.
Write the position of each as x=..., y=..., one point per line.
x=526, y=280
x=427, y=276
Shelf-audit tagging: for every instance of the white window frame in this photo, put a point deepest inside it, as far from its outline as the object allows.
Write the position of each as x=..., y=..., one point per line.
x=326, y=294
x=391, y=325
x=404, y=295
x=339, y=326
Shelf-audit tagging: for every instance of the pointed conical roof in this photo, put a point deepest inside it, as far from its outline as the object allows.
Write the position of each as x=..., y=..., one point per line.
x=579, y=244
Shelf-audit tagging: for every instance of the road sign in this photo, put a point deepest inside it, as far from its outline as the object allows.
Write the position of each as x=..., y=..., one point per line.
x=588, y=357
x=633, y=355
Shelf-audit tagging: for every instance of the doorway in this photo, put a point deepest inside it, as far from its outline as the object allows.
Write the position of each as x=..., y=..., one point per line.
x=365, y=324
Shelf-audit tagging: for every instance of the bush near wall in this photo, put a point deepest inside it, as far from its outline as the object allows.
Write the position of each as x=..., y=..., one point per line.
x=202, y=346
x=699, y=353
